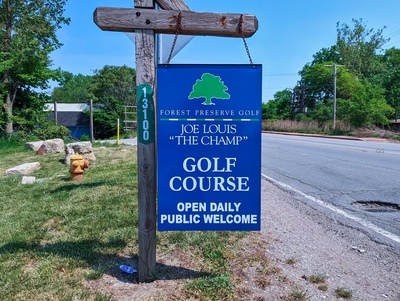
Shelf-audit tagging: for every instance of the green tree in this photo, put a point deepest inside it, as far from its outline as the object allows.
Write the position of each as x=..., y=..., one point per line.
x=111, y=88
x=322, y=112
x=29, y=114
x=358, y=48
x=318, y=79
x=363, y=81
x=279, y=107
x=367, y=106
x=391, y=79
x=72, y=88
x=209, y=86
x=28, y=36
x=330, y=54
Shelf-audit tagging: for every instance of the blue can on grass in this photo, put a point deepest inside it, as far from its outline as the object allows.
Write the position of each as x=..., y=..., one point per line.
x=127, y=269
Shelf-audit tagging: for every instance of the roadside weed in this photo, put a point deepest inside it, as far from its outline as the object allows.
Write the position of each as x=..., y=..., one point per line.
x=298, y=295
x=343, y=293
x=318, y=278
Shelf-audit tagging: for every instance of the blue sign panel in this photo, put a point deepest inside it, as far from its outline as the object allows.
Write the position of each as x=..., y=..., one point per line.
x=209, y=147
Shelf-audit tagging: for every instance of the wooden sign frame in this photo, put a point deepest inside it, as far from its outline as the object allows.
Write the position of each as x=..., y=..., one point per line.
x=145, y=21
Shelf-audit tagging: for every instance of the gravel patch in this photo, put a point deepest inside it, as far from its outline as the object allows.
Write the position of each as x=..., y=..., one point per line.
x=305, y=243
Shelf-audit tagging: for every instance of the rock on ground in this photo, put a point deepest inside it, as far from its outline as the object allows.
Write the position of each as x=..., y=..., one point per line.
x=34, y=145
x=28, y=180
x=23, y=169
x=54, y=146
x=51, y=146
x=82, y=148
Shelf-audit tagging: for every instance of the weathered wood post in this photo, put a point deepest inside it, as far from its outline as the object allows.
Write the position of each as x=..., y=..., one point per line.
x=55, y=113
x=145, y=74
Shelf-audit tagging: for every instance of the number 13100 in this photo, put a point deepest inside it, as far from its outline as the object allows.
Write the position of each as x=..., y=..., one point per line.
x=146, y=134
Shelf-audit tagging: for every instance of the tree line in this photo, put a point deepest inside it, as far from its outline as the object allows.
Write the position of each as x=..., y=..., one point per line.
x=368, y=77
x=367, y=82
x=27, y=38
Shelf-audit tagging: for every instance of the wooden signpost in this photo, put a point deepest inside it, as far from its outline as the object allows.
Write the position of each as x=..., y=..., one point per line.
x=173, y=18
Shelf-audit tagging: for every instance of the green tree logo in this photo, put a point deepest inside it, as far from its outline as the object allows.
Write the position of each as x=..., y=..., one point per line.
x=209, y=86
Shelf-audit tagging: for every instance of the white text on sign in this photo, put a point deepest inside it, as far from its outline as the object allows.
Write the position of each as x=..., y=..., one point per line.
x=209, y=183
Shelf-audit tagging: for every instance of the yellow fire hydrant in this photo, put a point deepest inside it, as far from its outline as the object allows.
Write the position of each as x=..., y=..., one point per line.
x=77, y=166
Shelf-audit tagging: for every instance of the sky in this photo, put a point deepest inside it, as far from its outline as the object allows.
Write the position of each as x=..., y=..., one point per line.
x=289, y=33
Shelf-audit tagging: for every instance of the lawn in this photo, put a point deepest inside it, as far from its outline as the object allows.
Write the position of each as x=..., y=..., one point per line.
x=56, y=235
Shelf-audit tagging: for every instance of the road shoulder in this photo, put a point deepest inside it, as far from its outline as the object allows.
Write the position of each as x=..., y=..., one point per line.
x=305, y=243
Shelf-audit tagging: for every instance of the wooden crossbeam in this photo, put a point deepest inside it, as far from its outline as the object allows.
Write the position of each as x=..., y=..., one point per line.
x=165, y=21
x=172, y=4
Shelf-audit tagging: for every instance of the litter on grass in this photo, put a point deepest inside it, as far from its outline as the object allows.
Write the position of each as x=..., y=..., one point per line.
x=127, y=269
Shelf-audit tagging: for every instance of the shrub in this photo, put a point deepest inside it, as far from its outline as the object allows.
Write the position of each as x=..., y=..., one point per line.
x=85, y=137
x=49, y=130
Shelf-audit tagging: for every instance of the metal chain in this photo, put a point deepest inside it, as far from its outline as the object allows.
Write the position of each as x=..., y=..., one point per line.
x=178, y=29
x=244, y=40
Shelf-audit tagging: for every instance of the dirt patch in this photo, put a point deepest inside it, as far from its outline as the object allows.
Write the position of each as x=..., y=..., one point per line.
x=296, y=245
x=374, y=133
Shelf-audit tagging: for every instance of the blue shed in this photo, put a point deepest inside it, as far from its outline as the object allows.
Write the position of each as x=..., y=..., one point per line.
x=71, y=115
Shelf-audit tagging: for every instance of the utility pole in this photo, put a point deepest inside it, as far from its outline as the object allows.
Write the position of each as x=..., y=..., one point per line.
x=334, y=96
x=334, y=93
x=91, y=122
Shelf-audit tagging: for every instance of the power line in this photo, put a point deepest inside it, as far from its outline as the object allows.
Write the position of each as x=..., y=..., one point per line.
x=391, y=44
x=280, y=74
x=395, y=33
x=391, y=35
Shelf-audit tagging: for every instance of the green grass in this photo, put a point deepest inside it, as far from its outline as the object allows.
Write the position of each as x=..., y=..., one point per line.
x=218, y=287
x=10, y=145
x=212, y=251
x=56, y=234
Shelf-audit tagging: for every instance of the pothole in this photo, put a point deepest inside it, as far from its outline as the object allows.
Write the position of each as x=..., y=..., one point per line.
x=377, y=206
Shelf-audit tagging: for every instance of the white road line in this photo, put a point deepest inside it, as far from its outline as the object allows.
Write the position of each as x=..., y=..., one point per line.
x=361, y=221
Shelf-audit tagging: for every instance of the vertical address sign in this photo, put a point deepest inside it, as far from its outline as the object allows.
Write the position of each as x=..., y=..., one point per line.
x=145, y=114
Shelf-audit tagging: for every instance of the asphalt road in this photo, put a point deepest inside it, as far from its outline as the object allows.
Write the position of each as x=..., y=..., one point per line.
x=355, y=182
